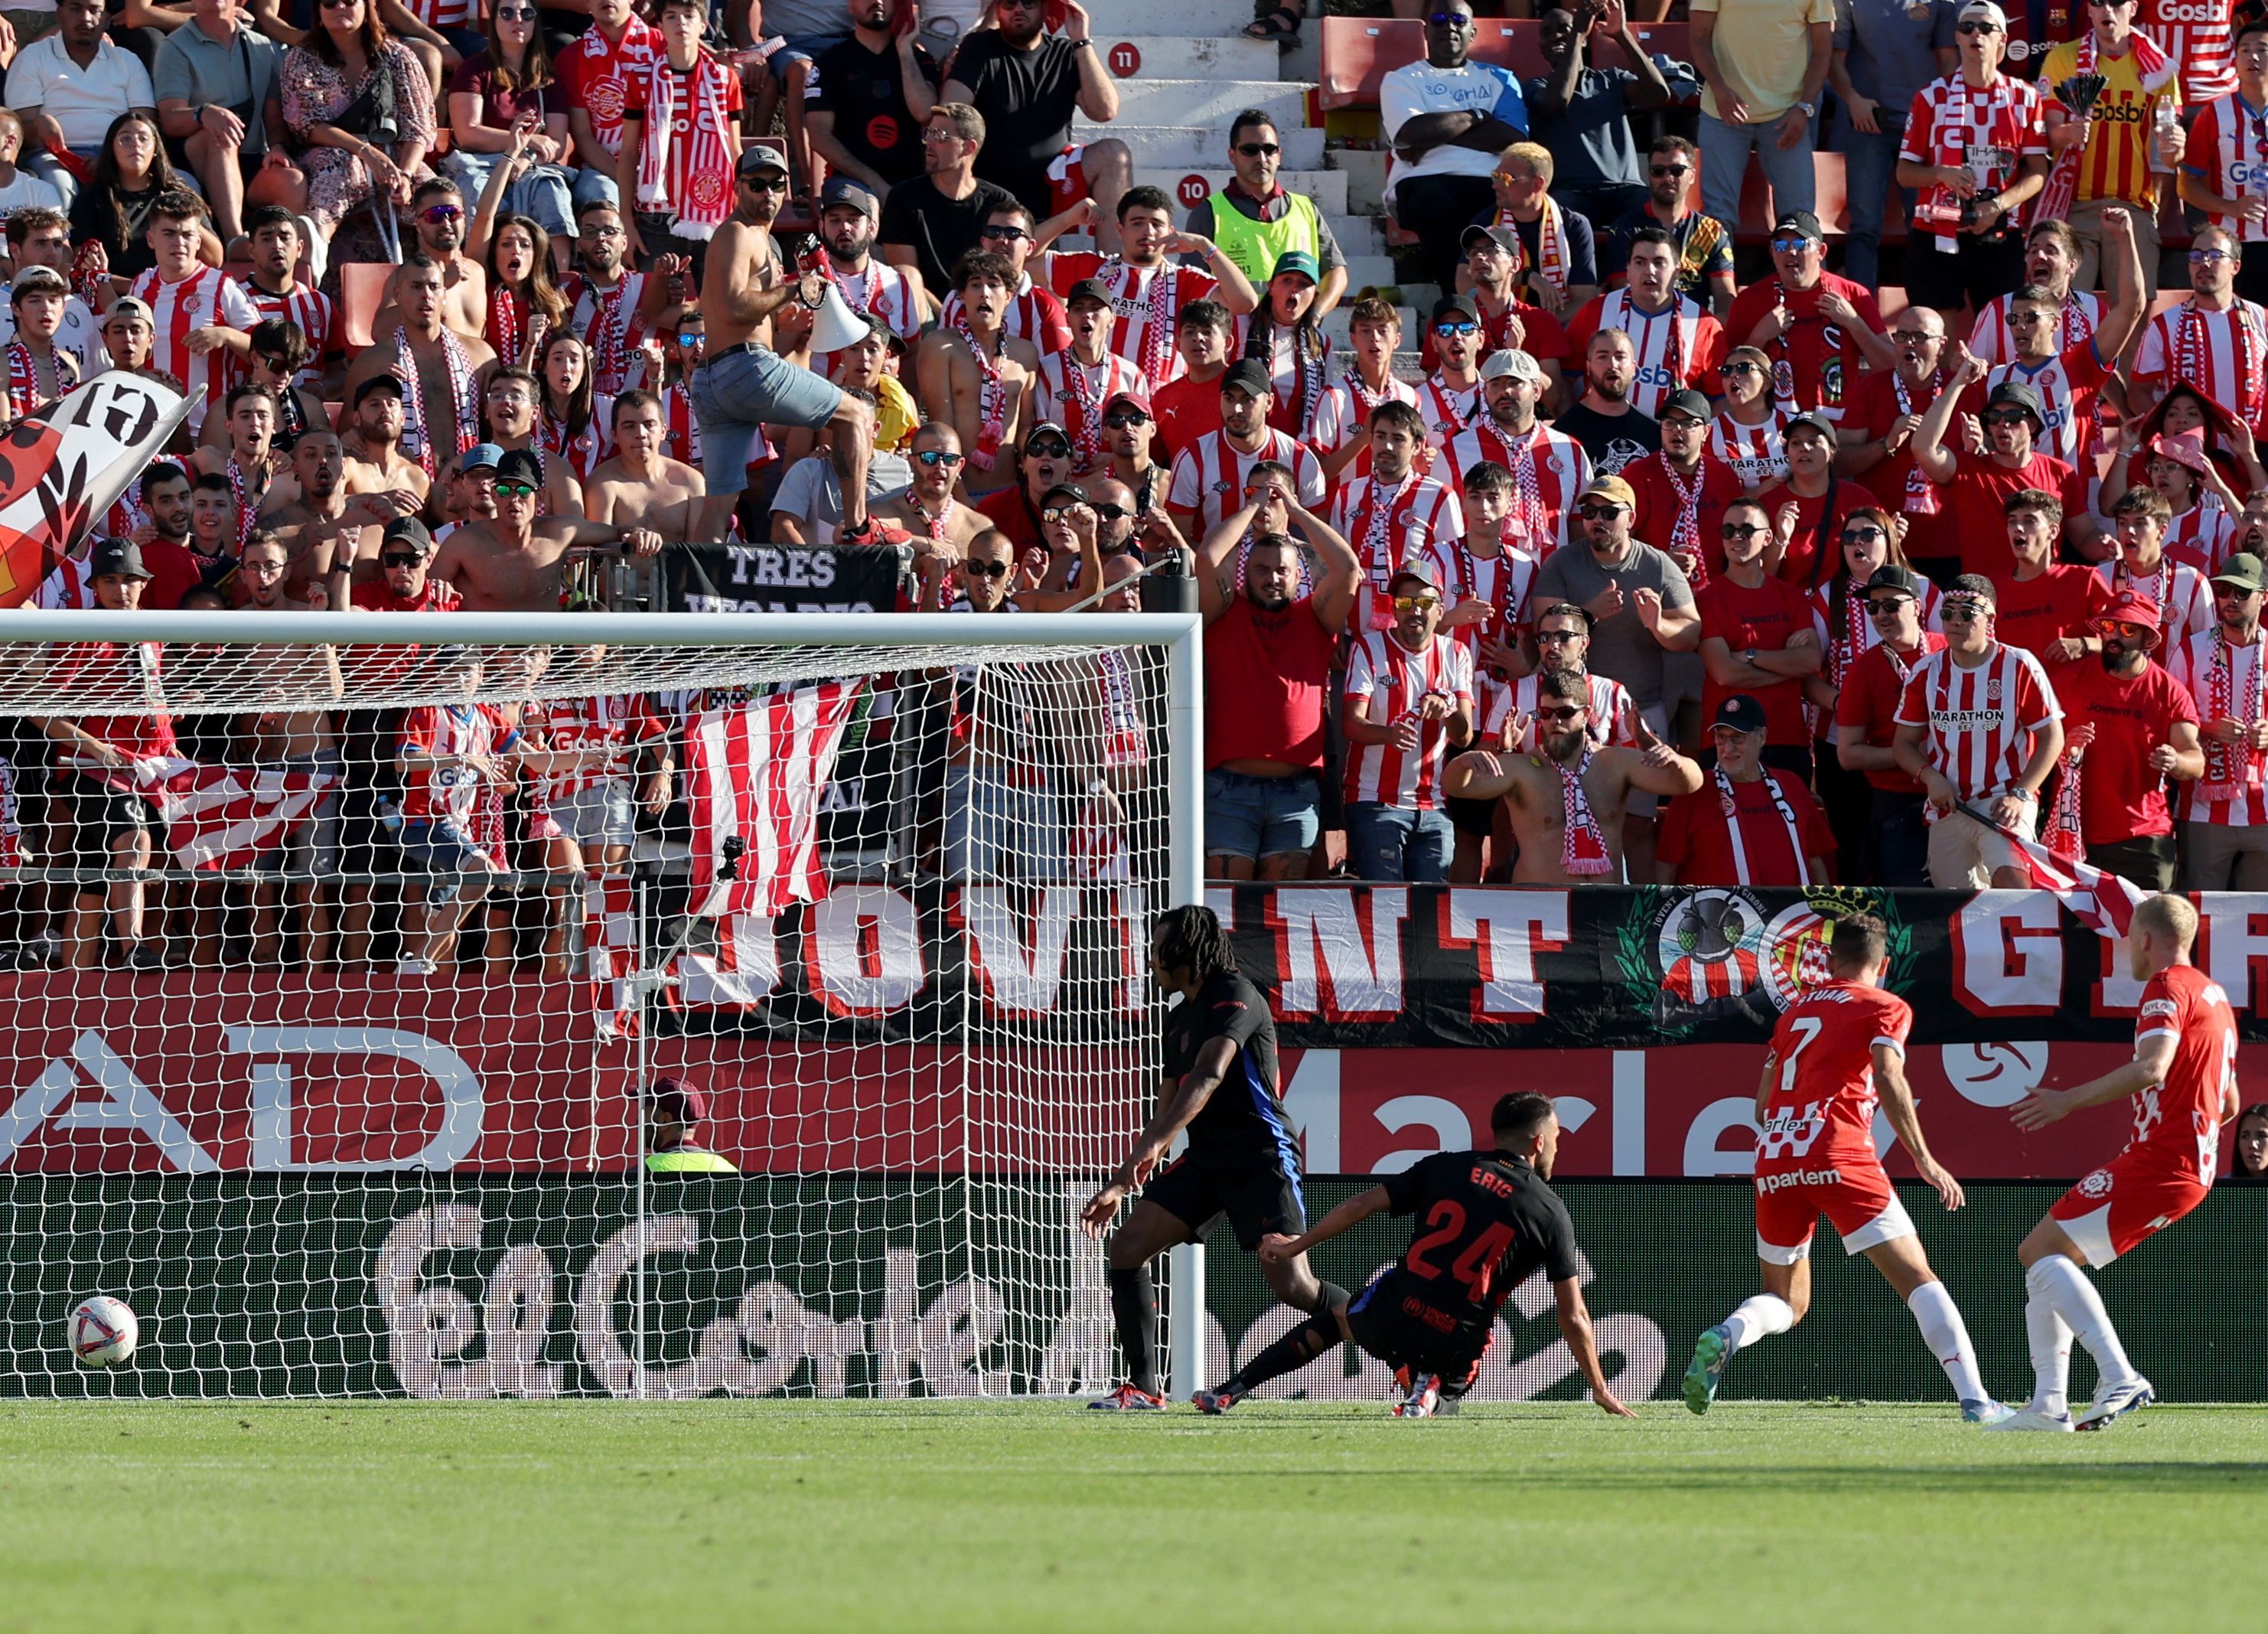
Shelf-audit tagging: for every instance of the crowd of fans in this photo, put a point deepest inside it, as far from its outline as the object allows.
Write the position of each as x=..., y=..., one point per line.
x=1623, y=568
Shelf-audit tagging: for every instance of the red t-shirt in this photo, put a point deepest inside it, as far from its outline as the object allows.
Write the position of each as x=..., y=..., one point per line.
x=174, y=570
x=1185, y=409
x=2120, y=796
x=1825, y=376
x=1655, y=520
x=1268, y=677
x=1764, y=618
x=1014, y=514
x=1811, y=559
x=1874, y=409
x=1696, y=836
x=1978, y=498
x=1867, y=708
x=2034, y=613
x=596, y=76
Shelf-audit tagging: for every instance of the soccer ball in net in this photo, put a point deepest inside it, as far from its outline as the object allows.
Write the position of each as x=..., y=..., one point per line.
x=103, y=1332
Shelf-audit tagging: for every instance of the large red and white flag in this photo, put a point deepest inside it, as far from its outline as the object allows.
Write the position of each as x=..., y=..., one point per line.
x=218, y=818
x=61, y=470
x=757, y=772
x=2103, y=902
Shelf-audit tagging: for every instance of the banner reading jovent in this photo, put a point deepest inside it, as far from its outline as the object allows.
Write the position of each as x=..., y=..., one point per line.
x=272, y=1285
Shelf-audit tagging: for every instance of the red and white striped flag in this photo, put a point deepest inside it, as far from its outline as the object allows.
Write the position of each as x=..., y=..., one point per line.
x=757, y=771
x=2103, y=902
x=218, y=818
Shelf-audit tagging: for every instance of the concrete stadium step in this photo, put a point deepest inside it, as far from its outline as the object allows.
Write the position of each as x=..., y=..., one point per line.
x=1362, y=270
x=1213, y=102
x=1132, y=57
x=1196, y=147
x=1327, y=188
x=1365, y=169
x=1201, y=19
x=1357, y=235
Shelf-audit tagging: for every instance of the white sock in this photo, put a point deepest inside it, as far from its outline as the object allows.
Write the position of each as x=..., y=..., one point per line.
x=2051, y=1340
x=1764, y=1313
x=2063, y=1286
x=1947, y=1338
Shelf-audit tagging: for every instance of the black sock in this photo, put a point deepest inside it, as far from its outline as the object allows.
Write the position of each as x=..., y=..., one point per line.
x=1134, y=1306
x=1289, y=1354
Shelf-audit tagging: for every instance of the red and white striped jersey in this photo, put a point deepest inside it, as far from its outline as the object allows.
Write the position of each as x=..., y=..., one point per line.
x=1502, y=580
x=1991, y=339
x=1345, y=408
x=1072, y=394
x=1677, y=347
x=2227, y=150
x=1387, y=527
x=1756, y=453
x=681, y=442
x=448, y=732
x=1611, y=720
x=2068, y=384
x=587, y=449
x=312, y=311
x=1208, y=475
x=2223, y=354
x=1396, y=682
x=1035, y=314
x=1953, y=122
x=882, y=289
x=1557, y=463
x=1140, y=301
x=446, y=13
x=607, y=321
x=207, y=297
x=2226, y=683
x=1856, y=636
x=2198, y=34
x=1980, y=721
x=2184, y=598
x=66, y=590
x=1447, y=409
x=2200, y=536
x=616, y=725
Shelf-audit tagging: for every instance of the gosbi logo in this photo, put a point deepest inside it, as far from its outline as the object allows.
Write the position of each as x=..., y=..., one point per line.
x=2192, y=14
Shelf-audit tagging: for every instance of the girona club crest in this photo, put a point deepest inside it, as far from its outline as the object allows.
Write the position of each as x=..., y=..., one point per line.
x=2095, y=1185
x=1693, y=957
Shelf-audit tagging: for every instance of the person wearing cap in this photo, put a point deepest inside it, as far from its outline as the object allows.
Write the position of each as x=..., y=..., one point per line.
x=867, y=97
x=1075, y=382
x=1978, y=725
x=2208, y=340
x=1818, y=329
x=1757, y=638
x=930, y=221
x=1763, y=65
x=2047, y=608
x=1447, y=118
x=1810, y=503
x=1874, y=441
x=674, y=1110
x=1449, y=398
x=1678, y=344
x=849, y=213
x=1154, y=279
x=1257, y=221
x=1408, y=702
x=519, y=562
x=1974, y=488
x=1976, y=152
x=1045, y=459
x=1752, y=824
x=1885, y=52
x=1613, y=430
x=1393, y=515
x=1704, y=249
x=1493, y=257
x=2070, y=378
x=1548, y=466
x=1894, y=849
x=2128, y=728
x=1581, y=113
x=1283, y=334
x=2110, y=157
x=38, y=297
x=1682, y=489
x=2139, y=563
x=96, y=754
x=1209, y=475
x=1555, y=251
x=376, y=461
x=405, y=581
x=2225, y=669
x=129, y=336
x=1188, y=405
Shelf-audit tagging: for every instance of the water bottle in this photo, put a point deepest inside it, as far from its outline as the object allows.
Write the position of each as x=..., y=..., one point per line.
x=2163, y=121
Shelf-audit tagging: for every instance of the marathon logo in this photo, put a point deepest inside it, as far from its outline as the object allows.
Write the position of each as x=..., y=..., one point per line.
x=1767, y=1184
x=1965, y=720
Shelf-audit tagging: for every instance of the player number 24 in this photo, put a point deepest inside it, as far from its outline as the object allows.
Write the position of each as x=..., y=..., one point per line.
x=1477, y=1264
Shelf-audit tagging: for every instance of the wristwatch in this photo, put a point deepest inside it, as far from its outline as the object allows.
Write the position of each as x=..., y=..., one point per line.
x=1809, y=110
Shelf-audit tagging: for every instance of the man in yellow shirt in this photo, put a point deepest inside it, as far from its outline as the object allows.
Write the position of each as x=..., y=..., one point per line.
x=2111, y=155
x=1761, y=64
x=674, y=1110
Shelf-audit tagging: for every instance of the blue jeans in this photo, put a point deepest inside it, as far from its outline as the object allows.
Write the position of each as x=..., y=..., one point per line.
x=594, y=185
x=1258, y=817
x=1870, y=166
x=544, y=192
x=1725, y=151
x=1390, y=843
x=735, y=396
x=999, y=830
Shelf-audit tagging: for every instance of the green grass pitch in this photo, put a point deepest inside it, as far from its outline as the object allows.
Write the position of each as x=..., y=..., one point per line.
x=717, y=1515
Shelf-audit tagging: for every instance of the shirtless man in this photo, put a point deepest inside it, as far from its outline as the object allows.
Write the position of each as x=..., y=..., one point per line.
x=642, y=486
x=437, y=210
x=309, y=526
x=1537, y=788
x=974, y=377
x=437, y=366
x=940, y=525
x=519, y=562
x=512, y=395
x=262, y=575
x=375, y=462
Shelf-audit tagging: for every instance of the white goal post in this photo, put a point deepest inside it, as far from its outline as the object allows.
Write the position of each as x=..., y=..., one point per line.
x=419, y=1162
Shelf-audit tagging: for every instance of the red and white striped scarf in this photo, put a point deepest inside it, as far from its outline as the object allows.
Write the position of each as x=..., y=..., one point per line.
x=464, y=408
x=1685, y=532
x=26, y=396
x=1553, y=260
x=1583, y=845
x=248, y=505
x=2066, y=835
x=1730, y=807
x=2231, y=770
x=993, y=403
x=2248, y=345
x=1921, y=493
x=704, y=170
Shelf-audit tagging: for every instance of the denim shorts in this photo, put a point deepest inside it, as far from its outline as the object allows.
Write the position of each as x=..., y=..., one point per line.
x=1256, y=817
x=737, y=394
x=440, y=848
x=598, y=816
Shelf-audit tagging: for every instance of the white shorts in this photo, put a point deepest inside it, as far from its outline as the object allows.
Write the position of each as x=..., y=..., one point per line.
x=601, y=814
x=1964, y=853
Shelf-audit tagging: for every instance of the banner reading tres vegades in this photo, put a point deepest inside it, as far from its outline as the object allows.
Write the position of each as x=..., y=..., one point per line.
x=1403, y=1012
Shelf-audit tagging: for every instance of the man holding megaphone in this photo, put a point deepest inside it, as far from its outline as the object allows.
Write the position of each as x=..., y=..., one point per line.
x=745, y=385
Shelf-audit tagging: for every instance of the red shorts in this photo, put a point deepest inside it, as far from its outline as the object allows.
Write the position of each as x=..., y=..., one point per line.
x=1066, y=180
x=2116, y=1207
x=1856, y=1197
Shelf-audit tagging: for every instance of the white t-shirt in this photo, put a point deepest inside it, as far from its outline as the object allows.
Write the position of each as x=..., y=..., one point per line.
x=28, y=192
x=81, y=100
x=1421, y=88
x=812, y=491
x=78, y=333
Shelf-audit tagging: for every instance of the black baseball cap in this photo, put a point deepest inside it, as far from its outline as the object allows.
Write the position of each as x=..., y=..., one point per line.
x=407, y=530
x=1046, y=428
x=1456, y=307
x=1902, y=580
x=1823, y=428
x=119, y=557
x=845, y=191
x=1070, y=492
x=377, y=383
x=1249, y=376
x=520, y=464
x=1087, y=290
x=1742, y=713
x=1687, y=403
x=1801, y=223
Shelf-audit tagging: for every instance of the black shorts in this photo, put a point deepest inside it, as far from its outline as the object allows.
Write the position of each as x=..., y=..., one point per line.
x=1381, y=1327
x=1259, y=1200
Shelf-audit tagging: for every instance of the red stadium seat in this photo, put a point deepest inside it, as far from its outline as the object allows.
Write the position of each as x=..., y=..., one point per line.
x=1359, y=52
x=362, y=292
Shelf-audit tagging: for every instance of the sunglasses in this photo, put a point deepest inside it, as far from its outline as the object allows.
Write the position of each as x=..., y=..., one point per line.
x=766, y=183
x=1057, y=513
x=693, y=338
x=2006, y=417
x=1978, y=28
x=2027, y=318
x=2232, y=592
x=1010, y=234
x=600, y=230
x=1111, y=513
x=395, y=560
x=1861, y=535
x=1961, y=612
x=1416, y=604
x=1049, y=450
x=1463, y=327
x=439, y=213
x=338, y=5
x=1742, y=530
x=277, y=364
x=1565, y=712
x=516, y=13
x=1448, y=19
x=1791, y=246
x=1542, y=636
x=1259, y=149
x=938, y=456
x=1883, y=606
x=1119, y=419
x=2125, y=631
x=1598, y=511
x=1740, y=368
x=1670, y=170
x=515, y=490
x=986, y=570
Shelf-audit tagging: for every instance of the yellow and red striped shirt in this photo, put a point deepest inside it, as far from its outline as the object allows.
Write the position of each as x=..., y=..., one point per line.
x=2116, y=162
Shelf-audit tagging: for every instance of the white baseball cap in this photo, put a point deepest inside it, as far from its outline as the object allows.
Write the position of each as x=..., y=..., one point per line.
x=1986, y=10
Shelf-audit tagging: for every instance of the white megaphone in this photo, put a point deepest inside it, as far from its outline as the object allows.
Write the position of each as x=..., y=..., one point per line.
x=834, y=327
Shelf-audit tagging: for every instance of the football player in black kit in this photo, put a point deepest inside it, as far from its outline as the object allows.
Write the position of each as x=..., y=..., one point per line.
x=1485, y=1221
x=1219, y=1083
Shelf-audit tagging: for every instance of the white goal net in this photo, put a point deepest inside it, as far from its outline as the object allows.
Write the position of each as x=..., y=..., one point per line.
x=459, y=1005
